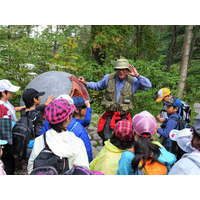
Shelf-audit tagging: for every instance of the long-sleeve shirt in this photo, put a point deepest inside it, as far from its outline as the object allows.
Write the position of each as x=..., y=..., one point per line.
x=140, y=83
x=170, y=124
x=87, y=119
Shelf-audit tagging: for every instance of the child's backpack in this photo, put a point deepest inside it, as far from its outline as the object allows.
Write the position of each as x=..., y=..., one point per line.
x=181, y=123
x=82, y=171
x=22, y=133
x=46, y=170
x=47, y=161
x=185, y=112
x=155, y=168
x=174, y=148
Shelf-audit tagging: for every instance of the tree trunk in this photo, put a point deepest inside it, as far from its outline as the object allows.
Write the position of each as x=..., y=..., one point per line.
x=185, y=59
x=55, y=43
x=171, y=47
x=193, y=41
x=98, y=54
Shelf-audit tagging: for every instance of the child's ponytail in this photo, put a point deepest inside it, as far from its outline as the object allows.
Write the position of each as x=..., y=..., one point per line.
x=144, y=150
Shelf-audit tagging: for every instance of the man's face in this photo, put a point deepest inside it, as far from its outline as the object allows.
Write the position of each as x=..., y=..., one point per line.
x=121, y=73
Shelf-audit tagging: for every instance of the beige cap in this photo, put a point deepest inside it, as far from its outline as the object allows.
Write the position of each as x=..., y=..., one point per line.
x=122, y=64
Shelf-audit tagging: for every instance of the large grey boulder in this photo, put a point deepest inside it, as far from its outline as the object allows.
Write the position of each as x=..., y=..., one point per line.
x=52, y=83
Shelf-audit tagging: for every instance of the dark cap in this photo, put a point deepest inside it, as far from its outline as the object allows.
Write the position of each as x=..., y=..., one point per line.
x=31, y=93
x=80, y=101
x=196, y=125
x=173, y=101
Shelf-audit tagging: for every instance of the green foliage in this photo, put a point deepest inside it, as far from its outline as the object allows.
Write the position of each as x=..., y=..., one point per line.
x=91, y=51
x=154, y=71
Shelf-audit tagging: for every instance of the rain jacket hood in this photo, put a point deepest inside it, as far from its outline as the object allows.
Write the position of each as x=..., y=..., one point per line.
x=107, y=159
x=189, y=164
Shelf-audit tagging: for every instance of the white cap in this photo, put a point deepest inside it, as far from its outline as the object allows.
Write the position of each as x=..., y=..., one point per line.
x=183, y=139
x=66, y=97
x=7, y=85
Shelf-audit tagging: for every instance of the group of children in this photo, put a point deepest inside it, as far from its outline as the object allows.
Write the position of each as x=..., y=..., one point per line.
x=130, y=151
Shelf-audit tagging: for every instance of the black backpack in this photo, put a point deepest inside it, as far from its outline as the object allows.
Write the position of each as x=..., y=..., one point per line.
x=175, y=149
x=48, y=163
x=22, y=133
x=185, y=112
x=181, y=123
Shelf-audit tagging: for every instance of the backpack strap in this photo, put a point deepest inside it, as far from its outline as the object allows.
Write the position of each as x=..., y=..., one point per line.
x=177, y=119
x=65, y=160
x=45, y=142
x=1, y=111
x=73, y=127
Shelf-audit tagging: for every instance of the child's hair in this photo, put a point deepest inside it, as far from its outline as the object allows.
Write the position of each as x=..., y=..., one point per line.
x=144, y=150
x=29, y=102
x=120, y=143
x=197, y=137
x=78, y=111
x=1, y=95
x=145, y=127
x=59, y=126
x=175, y=107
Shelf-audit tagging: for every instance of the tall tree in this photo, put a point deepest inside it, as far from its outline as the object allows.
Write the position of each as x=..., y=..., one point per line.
x=185, y=59
x=171, y=47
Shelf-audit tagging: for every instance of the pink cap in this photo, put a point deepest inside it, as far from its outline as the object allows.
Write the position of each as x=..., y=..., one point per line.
x=144, y=122
x=58, y=110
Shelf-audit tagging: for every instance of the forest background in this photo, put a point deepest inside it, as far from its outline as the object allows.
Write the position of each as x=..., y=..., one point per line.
x=167, y=54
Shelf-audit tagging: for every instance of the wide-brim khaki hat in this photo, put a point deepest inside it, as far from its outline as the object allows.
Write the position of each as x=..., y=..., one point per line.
x=122, y=64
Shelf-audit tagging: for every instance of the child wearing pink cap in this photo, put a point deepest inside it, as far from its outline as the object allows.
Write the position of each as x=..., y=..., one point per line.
x=61, y=142
x=146, y=153
x=122, y=139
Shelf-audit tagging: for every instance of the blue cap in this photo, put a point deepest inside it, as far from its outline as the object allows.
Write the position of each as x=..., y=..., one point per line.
x=80, y=101
x=173, y=101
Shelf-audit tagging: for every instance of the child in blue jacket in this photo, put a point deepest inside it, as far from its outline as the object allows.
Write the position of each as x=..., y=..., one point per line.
x=83, y=107
x=74, y=126
x=173, y=105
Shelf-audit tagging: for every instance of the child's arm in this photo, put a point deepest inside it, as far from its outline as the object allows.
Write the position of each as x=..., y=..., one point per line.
x=88, y=116
x=17, y=109
x=171, y=124
x=161, y=119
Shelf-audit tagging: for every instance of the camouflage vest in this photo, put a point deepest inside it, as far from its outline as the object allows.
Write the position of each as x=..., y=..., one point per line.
x=124, y=104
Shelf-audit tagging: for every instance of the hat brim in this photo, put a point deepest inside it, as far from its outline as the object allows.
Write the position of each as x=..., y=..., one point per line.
x=168, y=104
x=159, y=99
x=14, y=89
x=40, y=93
x=117, y=68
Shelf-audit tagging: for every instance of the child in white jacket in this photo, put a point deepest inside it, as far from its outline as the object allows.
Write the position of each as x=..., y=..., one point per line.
x=61, y=142
x=189, y=141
